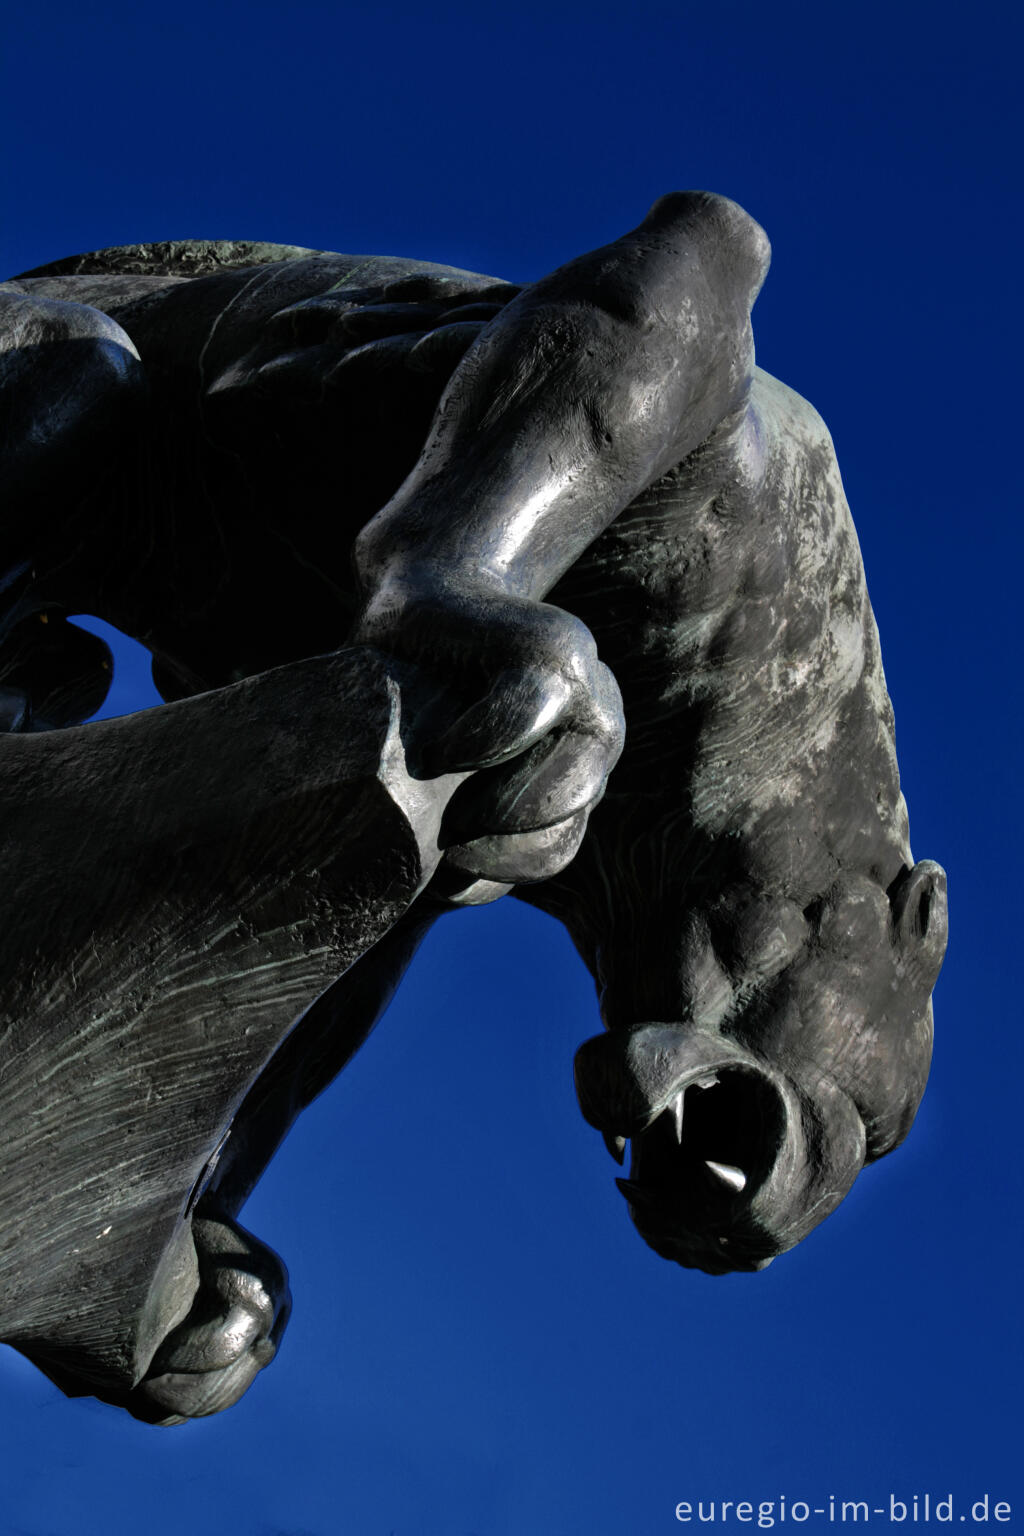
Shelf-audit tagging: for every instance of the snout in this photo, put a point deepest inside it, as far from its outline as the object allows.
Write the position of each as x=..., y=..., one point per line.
x=733, y=1160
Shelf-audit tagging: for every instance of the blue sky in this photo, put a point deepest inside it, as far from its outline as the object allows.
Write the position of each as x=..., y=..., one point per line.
x=481, y=1346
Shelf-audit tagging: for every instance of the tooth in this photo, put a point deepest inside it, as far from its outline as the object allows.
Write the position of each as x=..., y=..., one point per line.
x=677, y=1111
x=734, y=1177
x=711, y=1081
x=616, y=1146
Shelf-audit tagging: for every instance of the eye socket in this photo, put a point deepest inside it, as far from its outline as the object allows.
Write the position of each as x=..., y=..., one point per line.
x=766, y=936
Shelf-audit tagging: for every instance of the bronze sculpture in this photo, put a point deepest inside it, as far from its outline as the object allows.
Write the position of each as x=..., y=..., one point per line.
x=214, y=430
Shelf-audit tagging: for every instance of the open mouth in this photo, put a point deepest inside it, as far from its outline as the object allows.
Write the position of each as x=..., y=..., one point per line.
x=696, y=1166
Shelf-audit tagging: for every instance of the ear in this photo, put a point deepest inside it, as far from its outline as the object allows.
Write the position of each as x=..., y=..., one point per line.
x=918, y=900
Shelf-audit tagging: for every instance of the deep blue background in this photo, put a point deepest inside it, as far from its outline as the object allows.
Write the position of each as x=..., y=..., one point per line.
x=481, y=1346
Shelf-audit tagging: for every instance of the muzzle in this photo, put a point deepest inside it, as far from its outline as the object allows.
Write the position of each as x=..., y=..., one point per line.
x=733, y=1158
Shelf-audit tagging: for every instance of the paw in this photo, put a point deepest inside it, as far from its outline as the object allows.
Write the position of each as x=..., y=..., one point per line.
x=516, y=696
x=230, y=1334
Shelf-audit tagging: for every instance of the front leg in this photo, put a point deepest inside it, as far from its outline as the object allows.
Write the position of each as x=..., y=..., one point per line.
x=242, y=1303
x=580, y=393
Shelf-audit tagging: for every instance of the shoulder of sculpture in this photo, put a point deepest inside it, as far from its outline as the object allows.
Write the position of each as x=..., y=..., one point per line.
x=171, y=258
x=776, y=406
x=198, y=279
x=162, y=261
x=118, y=276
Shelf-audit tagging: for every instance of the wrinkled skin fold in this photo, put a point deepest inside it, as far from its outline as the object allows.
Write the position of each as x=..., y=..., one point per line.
x=582, y=530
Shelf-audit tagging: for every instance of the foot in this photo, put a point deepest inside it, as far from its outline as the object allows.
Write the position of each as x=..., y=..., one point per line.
x=232, y=1331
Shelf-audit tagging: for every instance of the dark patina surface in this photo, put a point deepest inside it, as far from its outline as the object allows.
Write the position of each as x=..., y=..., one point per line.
x=415, y=552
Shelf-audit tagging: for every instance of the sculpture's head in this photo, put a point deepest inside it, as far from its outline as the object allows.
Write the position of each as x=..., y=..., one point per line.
x=802, y=1054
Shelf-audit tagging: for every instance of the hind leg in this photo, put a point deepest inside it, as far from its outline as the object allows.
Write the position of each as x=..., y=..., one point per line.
x=242, y=1305
x=231, y=1332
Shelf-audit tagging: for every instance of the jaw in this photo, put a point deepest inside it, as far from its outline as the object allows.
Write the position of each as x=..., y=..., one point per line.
x=732, y=1161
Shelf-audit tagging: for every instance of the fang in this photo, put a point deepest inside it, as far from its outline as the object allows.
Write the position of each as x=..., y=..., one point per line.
x=677, y=1113
x=734, y=1177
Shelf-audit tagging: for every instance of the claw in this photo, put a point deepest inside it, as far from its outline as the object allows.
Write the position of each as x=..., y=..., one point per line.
x=616, y=1146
